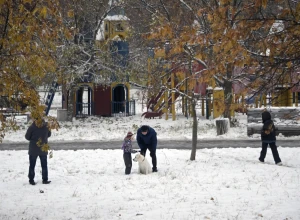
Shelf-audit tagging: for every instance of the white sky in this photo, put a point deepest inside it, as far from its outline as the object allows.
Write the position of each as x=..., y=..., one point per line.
x=222, y=184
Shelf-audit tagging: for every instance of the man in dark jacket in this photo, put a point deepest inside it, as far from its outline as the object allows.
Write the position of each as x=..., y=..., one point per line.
x=268, y=137
x=37, y=135
x=146, y=139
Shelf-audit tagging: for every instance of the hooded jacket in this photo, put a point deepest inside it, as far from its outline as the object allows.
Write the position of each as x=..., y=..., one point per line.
x=268, y=133
x=127, y=145
x=35, y=134
x=147, y=141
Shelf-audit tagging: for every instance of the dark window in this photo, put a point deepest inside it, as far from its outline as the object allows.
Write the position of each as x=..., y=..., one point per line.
x=119, y=27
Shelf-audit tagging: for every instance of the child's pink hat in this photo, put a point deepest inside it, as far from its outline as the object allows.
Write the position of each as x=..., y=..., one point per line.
x=129, y=134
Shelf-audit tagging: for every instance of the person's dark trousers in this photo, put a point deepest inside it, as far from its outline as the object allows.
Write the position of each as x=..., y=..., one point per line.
x=32, y=163
x=273, y=147
x=152, y=155
x=128, y=162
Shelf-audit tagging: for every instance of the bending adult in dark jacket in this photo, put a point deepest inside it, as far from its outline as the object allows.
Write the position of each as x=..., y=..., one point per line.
x=268, y=137
x=37, y=135
x=146, y=139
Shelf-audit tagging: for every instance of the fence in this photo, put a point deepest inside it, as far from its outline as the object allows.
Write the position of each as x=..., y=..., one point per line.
x=84, y=109
x=122, y=109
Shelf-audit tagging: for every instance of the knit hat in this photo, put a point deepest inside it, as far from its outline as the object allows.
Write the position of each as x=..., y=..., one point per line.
x=144, y=128
x=129, y=134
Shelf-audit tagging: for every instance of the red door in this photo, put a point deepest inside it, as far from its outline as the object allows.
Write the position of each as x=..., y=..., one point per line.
x=102, y=101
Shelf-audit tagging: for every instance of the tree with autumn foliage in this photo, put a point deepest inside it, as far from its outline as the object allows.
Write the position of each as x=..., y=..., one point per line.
x=30, y=32
x=245, y=47
x=232, y=39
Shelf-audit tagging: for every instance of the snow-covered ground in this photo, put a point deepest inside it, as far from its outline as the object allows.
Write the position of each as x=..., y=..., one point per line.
x=90, y=184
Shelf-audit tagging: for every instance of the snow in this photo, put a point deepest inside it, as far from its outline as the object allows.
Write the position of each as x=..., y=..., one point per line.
x=277, y=27
x=218, y=88
x=225, y=183
x=116, y=18
x=100, y=32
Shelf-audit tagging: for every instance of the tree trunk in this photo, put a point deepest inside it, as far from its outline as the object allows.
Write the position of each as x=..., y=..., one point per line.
x=195, y=130
x=64, y=96
x=70, y=108
x=222, y=126
x=228, y=92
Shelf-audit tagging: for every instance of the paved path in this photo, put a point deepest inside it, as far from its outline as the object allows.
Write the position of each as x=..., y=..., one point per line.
x=177, y=144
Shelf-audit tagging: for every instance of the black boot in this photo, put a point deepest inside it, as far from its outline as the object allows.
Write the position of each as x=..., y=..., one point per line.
x=154, y=169
x=32, y=182
x=46, y=181
x=154, y=163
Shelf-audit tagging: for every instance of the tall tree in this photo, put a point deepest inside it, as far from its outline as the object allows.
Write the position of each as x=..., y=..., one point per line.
x=29, y=33
x=226, y=35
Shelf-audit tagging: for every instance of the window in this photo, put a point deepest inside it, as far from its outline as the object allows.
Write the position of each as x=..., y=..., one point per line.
x=119, y=27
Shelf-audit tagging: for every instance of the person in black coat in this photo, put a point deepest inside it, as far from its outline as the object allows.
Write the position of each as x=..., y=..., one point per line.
x=146, y=139
x=37, y=135
x=268, y=137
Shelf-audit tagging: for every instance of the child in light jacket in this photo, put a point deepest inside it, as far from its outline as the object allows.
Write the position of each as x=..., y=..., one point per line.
x=127, y=150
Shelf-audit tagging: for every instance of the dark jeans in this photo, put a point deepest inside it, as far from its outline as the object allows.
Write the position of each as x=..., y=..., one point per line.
x=32, y=162
x=152, y=155
x=128, y=162
x=274, y=152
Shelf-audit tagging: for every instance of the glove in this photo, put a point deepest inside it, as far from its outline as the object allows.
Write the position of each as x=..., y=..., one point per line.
x=133, y=151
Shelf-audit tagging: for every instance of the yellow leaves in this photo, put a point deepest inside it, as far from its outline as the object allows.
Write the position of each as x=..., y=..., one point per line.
x=297, y=12
x=261, y=3
x=210, y=17
x=289, y=64
x=191, y=85
x=225, y=2
x=35, y=11
x=177, y=49
x=27, y=94
x=185, y=37
x=44, y=146
x=163, y=32
x=53, y=123
x=43, y=12
x=199, y=57
x=181, y=75
x=244, y=53
x=70, y=13
x=201, y=12
x=159, y=52
x=166, y=32
x=228, y=45
x=264, y=3
x=39, y=143
x=68, y=34
x=216, y=48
